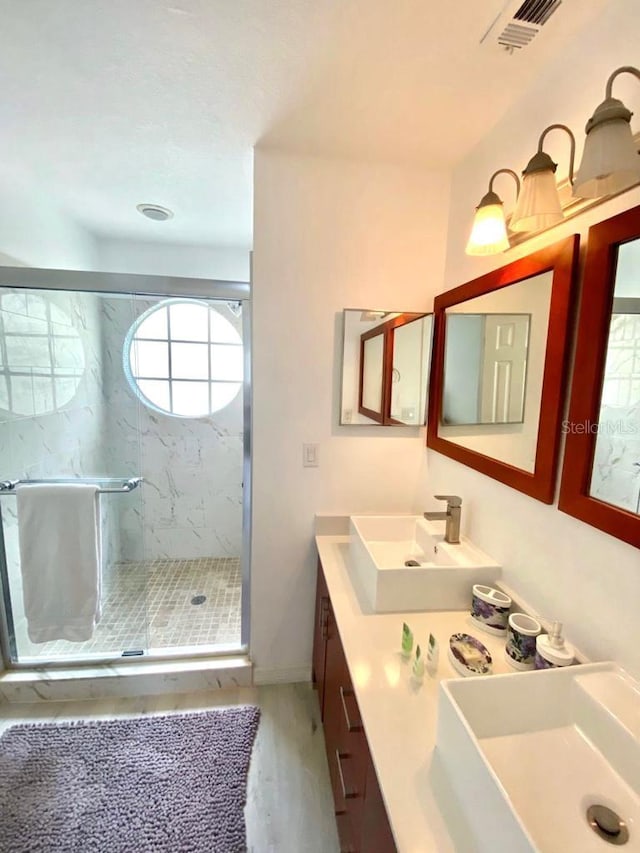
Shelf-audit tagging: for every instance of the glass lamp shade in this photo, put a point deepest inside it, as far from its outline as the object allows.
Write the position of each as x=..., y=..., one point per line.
x=538, y=204
x=488, y=232
x=610, y=161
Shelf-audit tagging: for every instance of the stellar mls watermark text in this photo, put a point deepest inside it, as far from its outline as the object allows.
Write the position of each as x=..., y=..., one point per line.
x=614, y=428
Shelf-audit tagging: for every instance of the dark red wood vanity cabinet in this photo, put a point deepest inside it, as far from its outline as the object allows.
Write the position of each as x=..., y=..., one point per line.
x=320, y=634
x=363, y=826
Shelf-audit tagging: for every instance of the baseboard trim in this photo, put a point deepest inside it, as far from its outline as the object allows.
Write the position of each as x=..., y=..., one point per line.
x=290, y=675
x=147, y=678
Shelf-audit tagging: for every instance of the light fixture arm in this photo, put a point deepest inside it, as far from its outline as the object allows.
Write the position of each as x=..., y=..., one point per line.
x=541, y=161
x=493, y=198
x=625, y=69
x=611, y=109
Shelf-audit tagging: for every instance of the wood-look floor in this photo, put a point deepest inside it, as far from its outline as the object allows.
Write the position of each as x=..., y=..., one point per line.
x=289, y=802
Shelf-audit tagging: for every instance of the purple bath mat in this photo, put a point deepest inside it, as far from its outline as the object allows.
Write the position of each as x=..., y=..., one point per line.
x=171, y=784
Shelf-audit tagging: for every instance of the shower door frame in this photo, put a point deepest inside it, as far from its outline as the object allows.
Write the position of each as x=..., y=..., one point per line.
x=85, y=281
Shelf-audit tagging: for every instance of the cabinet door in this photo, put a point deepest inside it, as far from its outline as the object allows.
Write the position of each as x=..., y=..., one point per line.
x=360, y=813
x=320, y=637
x=353, y=755
x=345, y=741
x=335, y=673
x=376, y=834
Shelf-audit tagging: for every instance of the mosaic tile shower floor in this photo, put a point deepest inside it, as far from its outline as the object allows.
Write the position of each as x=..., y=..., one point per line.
x=148, y=605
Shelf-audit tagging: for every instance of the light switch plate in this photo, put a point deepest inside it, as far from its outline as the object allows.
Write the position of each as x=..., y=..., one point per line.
x=310, y=455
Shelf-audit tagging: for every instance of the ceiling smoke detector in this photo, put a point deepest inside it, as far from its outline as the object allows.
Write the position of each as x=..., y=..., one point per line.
x=155, y=212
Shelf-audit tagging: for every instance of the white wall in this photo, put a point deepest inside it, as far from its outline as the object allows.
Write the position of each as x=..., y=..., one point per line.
x=566, y=569
x=327, y=234
x=162, y=258
x=35, y=232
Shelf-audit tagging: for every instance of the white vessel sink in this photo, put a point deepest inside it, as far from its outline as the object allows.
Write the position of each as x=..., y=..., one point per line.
x=381, y=545
x=526, y=755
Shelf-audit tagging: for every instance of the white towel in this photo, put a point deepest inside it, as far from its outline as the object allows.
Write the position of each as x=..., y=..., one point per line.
x=60, y=556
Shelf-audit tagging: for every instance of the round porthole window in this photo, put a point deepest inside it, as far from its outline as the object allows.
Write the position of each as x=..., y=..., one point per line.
x=184, y=358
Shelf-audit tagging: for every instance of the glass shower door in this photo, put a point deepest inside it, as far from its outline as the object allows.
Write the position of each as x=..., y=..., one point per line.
x=54, y=413
x=183, y=359
x=144, y=396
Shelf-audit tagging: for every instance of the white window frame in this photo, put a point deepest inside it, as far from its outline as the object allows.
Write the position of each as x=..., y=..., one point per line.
x=133, y=380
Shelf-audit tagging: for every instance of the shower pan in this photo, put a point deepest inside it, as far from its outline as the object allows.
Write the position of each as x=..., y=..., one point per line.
x=139, y=385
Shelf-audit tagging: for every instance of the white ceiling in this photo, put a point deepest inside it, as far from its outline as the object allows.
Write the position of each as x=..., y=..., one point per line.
x=107, y=103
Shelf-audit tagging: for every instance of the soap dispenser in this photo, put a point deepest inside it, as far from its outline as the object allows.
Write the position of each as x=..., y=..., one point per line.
x=551, y=649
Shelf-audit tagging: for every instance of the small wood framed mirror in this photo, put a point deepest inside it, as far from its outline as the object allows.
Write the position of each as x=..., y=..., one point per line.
x=499, y=367
x=601, y=470
x=386, y=357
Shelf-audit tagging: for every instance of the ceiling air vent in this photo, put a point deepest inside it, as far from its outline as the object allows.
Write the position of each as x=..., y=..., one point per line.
x=519, y=23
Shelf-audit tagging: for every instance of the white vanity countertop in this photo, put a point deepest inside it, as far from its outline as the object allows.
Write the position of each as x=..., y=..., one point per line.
x=400, y=718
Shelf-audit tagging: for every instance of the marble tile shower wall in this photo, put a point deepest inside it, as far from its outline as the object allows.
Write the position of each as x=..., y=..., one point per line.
x=51, y=405
x=191, y=502
x=616, y=470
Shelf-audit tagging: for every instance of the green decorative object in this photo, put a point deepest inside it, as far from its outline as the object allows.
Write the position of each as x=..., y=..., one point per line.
x=407, y=640
x=418, y=665
x=432, y=655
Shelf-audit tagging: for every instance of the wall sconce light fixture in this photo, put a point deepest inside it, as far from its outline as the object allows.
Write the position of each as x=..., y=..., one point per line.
x=610, y=165
x=489, y=231
x=610, y=161
x=538, y=204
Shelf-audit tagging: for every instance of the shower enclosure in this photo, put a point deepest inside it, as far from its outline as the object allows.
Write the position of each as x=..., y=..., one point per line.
x=139, y=385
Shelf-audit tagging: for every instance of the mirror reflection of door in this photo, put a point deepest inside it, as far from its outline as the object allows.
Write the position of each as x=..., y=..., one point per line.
x=615, y=476
x=486, y=357
x=504, y=368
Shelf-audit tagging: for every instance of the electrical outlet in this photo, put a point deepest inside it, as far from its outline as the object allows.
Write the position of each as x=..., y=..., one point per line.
x=310, y=455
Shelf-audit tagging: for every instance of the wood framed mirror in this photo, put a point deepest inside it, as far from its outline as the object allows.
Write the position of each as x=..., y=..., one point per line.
x=601, y=470
x=501, y=369
x=385, y=367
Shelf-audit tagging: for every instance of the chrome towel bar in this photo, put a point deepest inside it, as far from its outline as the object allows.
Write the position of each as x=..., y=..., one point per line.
x=106, y=485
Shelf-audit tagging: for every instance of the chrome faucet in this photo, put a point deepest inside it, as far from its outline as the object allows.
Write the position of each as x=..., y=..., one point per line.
x=451, y=516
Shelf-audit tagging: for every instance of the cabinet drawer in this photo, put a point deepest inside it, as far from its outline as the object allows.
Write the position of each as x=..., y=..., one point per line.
x=375, y=833
x=320, y=636
x=347, y=750
x=362, y=822
x=345, y=834
x=353, y=744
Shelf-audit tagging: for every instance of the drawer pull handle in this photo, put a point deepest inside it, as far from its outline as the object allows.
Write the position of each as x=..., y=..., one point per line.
x=351, y=727
x=347, y=795
x=324, y=617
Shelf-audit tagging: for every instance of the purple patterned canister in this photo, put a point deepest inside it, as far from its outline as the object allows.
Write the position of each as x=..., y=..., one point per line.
x=490, y=609
x=543, y=663
x=520, y=649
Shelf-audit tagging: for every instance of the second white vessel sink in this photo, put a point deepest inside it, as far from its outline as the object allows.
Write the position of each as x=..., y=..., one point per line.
x=402, y=563
x=529, y=755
